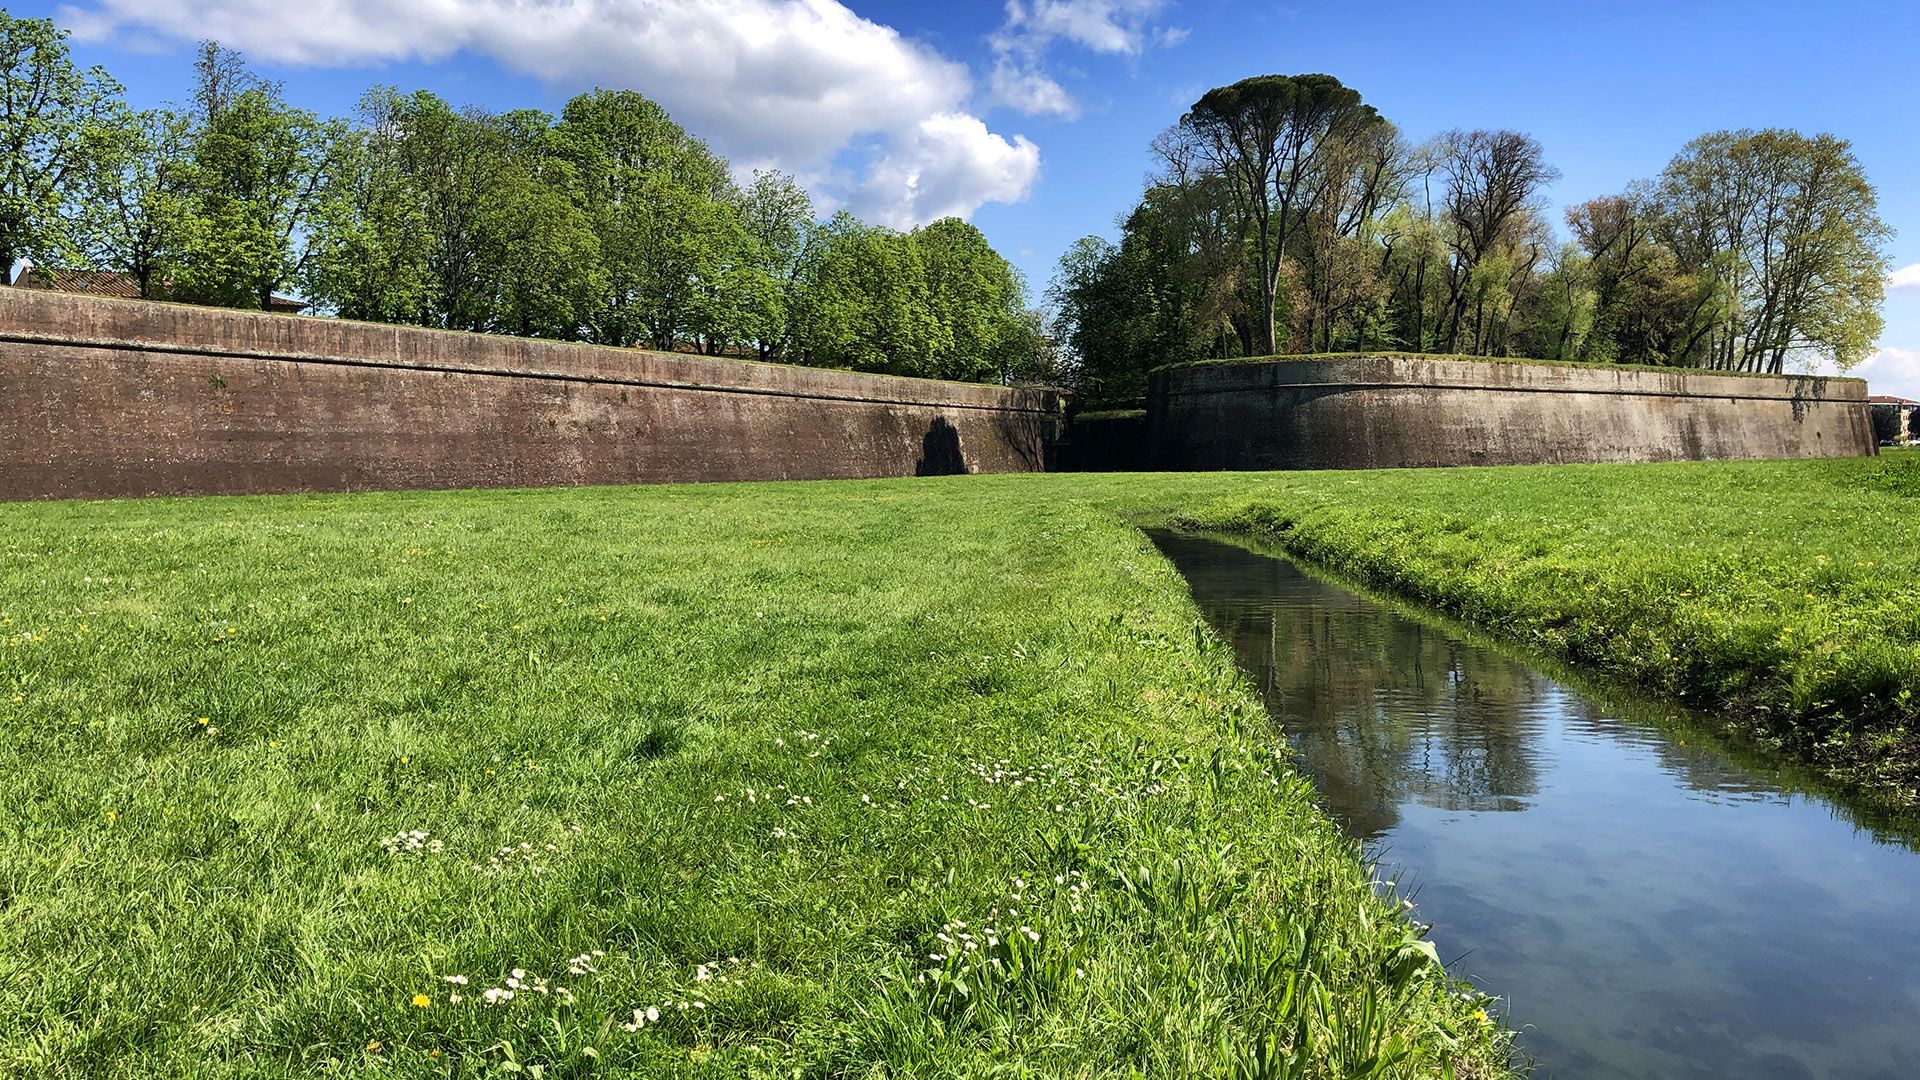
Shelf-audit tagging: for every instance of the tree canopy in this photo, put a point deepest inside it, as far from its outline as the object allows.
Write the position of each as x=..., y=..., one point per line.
x=1287, y=216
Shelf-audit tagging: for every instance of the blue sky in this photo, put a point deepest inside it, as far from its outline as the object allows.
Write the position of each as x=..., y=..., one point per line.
x=1033, y=118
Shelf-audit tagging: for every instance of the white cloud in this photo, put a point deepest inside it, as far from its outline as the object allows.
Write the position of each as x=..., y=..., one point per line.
x=1031, y=91
x=1104, y=26
x=947, y=167
x=1114, y=27
x=786, y=82
x=1907, y=277
x=1891, y=371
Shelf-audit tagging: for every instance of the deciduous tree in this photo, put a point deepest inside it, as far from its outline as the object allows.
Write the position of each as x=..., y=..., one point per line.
x=58, y=125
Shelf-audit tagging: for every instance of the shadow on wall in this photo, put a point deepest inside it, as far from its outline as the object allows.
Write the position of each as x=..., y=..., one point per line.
x=940, y=451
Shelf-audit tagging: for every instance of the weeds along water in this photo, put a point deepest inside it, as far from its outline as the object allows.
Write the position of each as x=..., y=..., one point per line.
x=935, y=777
x=1783, y=597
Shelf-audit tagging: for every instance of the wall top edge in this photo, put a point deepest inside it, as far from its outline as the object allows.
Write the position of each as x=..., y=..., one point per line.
x=1387, y=371
x=69, y=319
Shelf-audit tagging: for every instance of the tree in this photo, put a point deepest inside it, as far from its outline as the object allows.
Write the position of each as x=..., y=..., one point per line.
x=1268, y=135
x=1788, y=229
x=974, y=296
x=865, y=305
x=373, y=243
x=1886, y=424
x=778, y=217
x=1493, y=177
x=58, y=125
x=133, y=206
x=254, y=179
x=541, y=258
x=652, y=195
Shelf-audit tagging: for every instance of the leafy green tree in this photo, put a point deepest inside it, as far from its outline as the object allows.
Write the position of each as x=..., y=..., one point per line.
x=58, y=125
x=255, y=176
x=1789, y=229
x=1269, y=135
x=133, y=207
x=373, y=242
x=653, y=196
x=777, y=214
x=543, y=259
x=865, y=303
x=975, y=297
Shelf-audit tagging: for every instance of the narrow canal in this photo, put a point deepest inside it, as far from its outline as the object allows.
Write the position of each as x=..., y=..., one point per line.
x=1648, y=902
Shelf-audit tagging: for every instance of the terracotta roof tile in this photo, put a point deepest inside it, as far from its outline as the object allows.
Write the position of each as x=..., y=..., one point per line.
x=111, y=283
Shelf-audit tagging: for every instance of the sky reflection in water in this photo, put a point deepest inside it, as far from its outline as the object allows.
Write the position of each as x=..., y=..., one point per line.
x=1648, y=906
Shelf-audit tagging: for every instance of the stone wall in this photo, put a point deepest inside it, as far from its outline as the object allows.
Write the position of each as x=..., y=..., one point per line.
x=1392, y=411
x=106, y=397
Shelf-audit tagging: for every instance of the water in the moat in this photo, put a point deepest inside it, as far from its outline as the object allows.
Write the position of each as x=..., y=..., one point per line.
x=1647, y=905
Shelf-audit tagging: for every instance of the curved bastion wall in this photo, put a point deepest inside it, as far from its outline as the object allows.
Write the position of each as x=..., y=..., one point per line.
x=1365, y=412
x=103, y=397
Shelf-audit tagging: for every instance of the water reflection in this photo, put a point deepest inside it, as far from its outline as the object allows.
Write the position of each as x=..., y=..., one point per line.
x=1650, y=906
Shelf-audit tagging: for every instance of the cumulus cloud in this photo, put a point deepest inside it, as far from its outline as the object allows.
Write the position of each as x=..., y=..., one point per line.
x=946, y=167
x=1891, y=371
x=1907, y=277
x=1104, y=26
x=1033, y=27
x=792, y=83
x=1031, y=91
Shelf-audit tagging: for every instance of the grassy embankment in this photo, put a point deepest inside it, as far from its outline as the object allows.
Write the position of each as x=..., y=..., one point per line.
x=909, y=778
x=1784, y=597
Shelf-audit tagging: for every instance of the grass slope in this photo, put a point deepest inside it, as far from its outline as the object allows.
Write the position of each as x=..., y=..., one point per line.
x=1783, y=595
x=932, y=777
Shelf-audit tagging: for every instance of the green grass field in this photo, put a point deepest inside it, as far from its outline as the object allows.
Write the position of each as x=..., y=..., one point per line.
x=932, y=777
x=936, y=778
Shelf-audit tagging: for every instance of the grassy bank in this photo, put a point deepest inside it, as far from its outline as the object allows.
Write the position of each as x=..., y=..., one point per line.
x=920, y=778
x=1782, y=596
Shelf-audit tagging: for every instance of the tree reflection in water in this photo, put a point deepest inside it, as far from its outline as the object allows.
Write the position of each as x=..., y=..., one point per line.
x=1379, y=710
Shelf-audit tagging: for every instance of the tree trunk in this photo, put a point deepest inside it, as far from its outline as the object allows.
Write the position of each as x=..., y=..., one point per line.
x=1420, y=305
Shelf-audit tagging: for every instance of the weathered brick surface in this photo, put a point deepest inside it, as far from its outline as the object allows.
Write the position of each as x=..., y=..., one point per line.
x=112, y=398
x=1367, y=412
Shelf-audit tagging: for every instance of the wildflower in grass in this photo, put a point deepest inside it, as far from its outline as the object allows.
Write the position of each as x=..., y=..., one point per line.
x=421, y=1001
x=416, y=842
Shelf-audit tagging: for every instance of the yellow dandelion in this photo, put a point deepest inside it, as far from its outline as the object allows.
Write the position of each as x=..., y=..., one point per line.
x=113, y=816
x=421, y=1001
x=204, y=721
